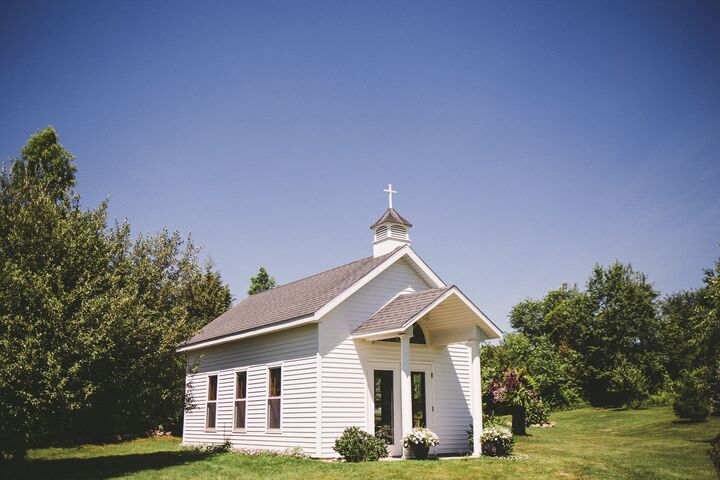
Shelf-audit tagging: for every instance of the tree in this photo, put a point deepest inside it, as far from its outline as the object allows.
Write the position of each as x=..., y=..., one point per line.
x=261, y=282
x=691, y=395
x=555, y=375
x=89, y=318
x=610, y=332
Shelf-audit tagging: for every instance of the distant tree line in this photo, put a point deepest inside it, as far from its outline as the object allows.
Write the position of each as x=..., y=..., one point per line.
x=90, y=315
x=617, y=343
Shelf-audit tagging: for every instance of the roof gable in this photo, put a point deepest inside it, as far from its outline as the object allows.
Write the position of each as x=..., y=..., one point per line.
x=286, y=302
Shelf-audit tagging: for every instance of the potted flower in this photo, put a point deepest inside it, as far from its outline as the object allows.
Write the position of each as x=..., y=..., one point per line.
x=497, y=441
x=419, y=440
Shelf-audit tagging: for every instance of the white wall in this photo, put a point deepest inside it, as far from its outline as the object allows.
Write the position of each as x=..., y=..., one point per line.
x=296, y=351
x=345, y=390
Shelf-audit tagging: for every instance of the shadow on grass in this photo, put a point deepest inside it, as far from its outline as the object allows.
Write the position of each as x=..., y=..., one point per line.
x=97, y=468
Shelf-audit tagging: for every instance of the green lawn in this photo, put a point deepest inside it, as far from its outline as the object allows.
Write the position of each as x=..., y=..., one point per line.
x=587, y=443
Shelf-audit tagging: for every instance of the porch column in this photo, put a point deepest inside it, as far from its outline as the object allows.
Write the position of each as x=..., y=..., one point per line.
x=405, y=387
x=476, y=396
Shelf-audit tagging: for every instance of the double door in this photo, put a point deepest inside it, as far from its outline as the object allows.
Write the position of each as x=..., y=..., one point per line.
x=385, y=401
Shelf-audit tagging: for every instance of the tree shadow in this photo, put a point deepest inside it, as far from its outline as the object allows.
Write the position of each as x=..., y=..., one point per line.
x=685, y=421
x=98, y=468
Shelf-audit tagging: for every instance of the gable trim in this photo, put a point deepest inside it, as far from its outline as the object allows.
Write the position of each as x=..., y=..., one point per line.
x=453, y=290
x=403, y=251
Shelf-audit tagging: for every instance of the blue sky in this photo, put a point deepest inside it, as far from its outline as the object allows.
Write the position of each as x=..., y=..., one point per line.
x=527, y=140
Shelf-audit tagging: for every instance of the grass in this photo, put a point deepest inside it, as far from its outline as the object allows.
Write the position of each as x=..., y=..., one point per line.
x=586, y=443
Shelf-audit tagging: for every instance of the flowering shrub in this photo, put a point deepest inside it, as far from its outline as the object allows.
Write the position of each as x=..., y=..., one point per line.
x=513, y=387
x=513, y=391
x=356, y=445
x=420, y=436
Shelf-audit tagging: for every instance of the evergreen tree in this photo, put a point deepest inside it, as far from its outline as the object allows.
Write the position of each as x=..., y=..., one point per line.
x=261, y=282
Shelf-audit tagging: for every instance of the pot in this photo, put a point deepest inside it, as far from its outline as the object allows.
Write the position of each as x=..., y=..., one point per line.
x=420, y=452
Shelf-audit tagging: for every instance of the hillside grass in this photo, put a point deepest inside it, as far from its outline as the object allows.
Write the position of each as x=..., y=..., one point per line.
x=586, y=443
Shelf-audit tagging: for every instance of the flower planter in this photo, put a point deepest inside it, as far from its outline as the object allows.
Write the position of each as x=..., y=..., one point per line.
x=420, y=452
x=418, y=441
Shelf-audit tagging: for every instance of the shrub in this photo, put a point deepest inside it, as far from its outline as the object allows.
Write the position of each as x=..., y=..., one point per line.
x=691, y=396
x=356, y=445
x=212, y=447
x=537, y=413
x=714, y=453
x=626, y=383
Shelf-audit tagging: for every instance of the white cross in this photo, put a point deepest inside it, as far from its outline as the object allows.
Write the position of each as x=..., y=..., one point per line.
x=390, y=192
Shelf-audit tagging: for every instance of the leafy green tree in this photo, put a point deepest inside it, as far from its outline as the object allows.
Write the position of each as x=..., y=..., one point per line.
x=622, y=335
x=261, y=282
x=555, y=375
x=678, y=322
x=610, y=332
x=89, y=318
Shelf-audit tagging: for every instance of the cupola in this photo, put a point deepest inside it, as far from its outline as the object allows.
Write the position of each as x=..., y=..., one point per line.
x=391, y=229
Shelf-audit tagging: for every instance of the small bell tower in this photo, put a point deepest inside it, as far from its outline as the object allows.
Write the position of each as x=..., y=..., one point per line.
x=391, y=229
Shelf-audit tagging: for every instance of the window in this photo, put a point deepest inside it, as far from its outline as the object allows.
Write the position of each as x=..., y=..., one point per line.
x=211, y=408
x=240, y=400
x=274, y=407
x=419, y=412
x=383, y=400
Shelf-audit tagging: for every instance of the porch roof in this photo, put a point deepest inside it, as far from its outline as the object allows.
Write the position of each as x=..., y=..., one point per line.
x=445, y=314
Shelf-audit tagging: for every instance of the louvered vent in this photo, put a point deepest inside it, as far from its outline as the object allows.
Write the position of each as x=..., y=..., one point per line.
x=398, y=231
x=381, y=232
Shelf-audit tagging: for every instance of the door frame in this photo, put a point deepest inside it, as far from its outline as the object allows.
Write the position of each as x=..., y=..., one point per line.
x=395, y=449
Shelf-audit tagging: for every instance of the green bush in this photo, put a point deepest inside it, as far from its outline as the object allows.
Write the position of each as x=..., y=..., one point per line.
x=536, y=413
x=691, y=396
x=356, y=445
x=714, y=453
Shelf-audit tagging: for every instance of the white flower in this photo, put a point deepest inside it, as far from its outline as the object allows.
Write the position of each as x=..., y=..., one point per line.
x=420, y=436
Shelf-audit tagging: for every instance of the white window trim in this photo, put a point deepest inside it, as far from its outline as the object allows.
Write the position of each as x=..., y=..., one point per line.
x=235, y=399
x=268, y=397
x=207, y=401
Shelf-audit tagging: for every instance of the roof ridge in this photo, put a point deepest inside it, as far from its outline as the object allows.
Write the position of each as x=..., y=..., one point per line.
x=316, y=274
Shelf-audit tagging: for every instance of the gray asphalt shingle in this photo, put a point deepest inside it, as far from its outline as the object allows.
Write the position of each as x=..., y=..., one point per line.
x=401, y=309
x=286, y=302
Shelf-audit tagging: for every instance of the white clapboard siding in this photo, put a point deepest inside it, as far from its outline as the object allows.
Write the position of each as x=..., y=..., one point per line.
x=345, y=393
x=296, y=351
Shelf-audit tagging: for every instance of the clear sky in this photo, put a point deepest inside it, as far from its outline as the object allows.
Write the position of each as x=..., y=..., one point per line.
x=527, y=141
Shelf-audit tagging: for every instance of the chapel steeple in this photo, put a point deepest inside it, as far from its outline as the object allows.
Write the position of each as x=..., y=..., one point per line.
x=391, y=229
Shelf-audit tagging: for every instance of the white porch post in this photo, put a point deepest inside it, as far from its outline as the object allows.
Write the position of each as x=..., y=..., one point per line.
x=405, y=387
x=476, y=397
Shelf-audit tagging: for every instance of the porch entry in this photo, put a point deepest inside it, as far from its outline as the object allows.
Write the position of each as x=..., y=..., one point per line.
x=385, y=401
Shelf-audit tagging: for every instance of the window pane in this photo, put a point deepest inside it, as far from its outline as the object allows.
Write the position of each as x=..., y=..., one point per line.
x=210, y=415
x=273, y=413
x=241, y=389
x=419, y=413
x=212, y=387
x=383, y=399
x=240, y=414
x=275, y=378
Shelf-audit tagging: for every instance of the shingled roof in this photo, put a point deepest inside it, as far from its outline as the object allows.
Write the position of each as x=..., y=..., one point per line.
x=286, y=302
x=391, y=215
x=400, y=310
